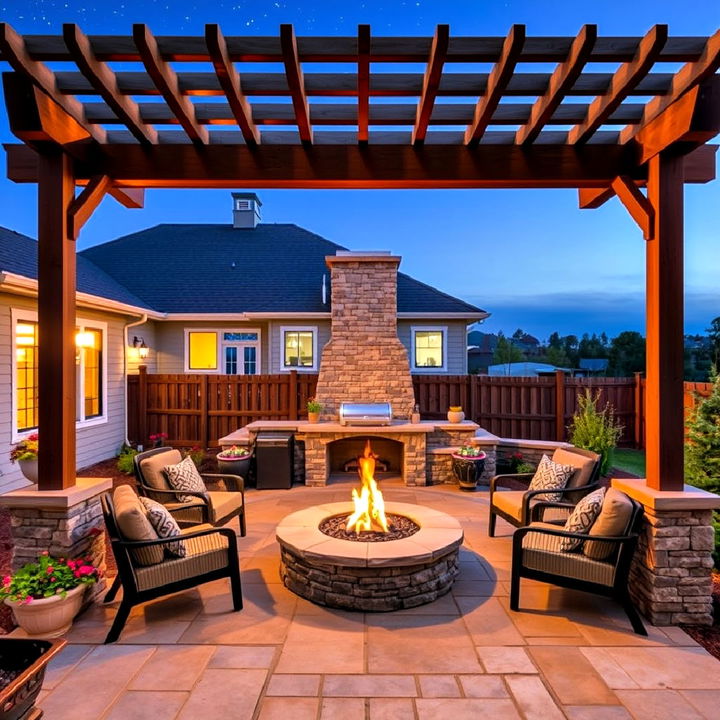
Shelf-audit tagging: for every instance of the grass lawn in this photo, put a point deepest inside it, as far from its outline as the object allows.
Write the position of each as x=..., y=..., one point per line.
x=632, y=461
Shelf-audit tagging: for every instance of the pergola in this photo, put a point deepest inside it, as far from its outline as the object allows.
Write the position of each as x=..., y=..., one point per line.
x=97, y=126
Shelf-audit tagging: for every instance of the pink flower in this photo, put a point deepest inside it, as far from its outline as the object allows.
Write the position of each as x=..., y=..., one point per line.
x=71, y=564
x=44, y=552
x=53, y=579
x=77, y=573
x=94, y=532
x=50, y=570
x=86, y=570
x=7, y=580
x=28, y=600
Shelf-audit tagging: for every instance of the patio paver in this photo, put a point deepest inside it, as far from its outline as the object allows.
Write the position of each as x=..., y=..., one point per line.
x=465, y=656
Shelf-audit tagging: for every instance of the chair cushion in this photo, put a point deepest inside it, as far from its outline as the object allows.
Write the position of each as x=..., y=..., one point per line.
x=165, y=526
x=153, y=474
x=583, y=465
x=133, y=524
x=613, y=520
x=204, y=554
x=550, y=476
x=185, y=476
x=188, y=513
x=510, y=502
x=223, y=505
x=542, y=552
x=582, y=518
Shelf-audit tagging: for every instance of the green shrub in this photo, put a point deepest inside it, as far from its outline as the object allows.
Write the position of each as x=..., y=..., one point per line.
x=125, y=460
x=594, y=429
x=702, y=449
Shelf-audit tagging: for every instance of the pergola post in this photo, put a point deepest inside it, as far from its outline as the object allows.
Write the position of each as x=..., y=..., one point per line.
x=664, y=421
x=57, y=404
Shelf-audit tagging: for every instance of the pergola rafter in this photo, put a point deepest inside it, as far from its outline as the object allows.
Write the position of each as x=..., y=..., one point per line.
x=419, y=141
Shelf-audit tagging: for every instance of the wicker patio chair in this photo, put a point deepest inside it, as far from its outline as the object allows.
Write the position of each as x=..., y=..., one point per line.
x=216, y=507
x=537, y=555
x=514, y=505
x=146, y=572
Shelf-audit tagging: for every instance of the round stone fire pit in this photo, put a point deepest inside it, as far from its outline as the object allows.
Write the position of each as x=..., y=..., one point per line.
x=369, y=576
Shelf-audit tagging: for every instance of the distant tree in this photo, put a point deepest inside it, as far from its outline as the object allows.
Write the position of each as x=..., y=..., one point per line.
x=506, y=353
x=519, y=334
x=714, y=334
x=627, y=354
x=557, y=356
x=592, y=347
x=554, y=340
x=604, y=340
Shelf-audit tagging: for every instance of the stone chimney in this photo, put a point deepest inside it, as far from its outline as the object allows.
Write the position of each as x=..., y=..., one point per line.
x=246, y=210
x=364, y=361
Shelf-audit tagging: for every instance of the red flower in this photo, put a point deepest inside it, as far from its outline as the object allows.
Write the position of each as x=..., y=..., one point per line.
x=50, y=570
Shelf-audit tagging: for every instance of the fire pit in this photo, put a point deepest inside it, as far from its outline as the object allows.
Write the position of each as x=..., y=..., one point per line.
x=369, y=556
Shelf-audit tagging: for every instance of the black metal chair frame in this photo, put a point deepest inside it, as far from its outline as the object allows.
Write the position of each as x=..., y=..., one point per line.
x=623, y=555
x=126, y=576
x=501, y=481
x=237, y=483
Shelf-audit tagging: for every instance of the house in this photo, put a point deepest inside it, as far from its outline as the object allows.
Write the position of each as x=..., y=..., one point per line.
x=236, y=298
x=525, y=369
x=481, y=349
x=594, y=366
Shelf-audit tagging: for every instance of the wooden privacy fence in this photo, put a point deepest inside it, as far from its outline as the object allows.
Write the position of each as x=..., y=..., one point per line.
x=199, y=409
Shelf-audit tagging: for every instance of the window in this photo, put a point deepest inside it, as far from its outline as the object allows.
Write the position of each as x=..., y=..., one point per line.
x=90, y=371
x=299, y=348
x=429, y=351
x=202, y=350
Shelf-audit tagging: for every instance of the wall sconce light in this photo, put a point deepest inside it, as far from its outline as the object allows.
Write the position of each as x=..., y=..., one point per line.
x=141, y=348
x=84, y=340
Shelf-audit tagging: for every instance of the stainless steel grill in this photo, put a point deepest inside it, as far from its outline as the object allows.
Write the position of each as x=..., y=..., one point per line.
x=365, y=413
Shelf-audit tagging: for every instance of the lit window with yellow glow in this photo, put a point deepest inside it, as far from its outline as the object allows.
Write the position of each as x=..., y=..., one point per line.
x=202, y=351
x=429, y=350
x=26, y=369
x=299, y=349
x=90, y=343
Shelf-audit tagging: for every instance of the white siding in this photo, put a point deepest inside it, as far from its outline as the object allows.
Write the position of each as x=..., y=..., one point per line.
x=147, y=333
x=276, y=342
x=456, y=337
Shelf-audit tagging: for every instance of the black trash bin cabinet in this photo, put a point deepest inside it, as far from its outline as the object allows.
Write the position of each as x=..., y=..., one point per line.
x=274, y=458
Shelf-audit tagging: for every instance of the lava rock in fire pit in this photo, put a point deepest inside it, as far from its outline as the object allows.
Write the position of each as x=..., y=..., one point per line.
x=399, y=527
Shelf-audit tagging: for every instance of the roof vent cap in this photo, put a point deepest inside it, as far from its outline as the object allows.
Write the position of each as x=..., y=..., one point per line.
x=246, y=210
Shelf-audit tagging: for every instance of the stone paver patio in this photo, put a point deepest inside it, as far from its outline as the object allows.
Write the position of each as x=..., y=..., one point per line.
x=568, y=655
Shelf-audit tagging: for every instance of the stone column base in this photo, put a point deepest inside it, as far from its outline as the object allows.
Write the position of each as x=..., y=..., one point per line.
x=64, y=523
x=670, y=577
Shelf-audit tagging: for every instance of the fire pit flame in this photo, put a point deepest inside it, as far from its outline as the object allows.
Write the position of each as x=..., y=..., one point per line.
x=369, y=512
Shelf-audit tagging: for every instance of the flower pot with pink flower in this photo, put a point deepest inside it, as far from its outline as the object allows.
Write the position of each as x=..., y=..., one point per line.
x=235, y=461
x=25, y=454
x=46, y=595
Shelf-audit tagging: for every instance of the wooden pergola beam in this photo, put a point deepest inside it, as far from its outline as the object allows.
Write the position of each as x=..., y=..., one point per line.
x=83, y=206
x=166, y=82
x=496, y=84
x=363, y=83
x=15, y=52
x=229, y=80
x=639, y=207
x=591, y=198
x=294, y=74
x=565, y=75
x=131, y=198
x=624, y=80
x=431, y=83
x=103, y=80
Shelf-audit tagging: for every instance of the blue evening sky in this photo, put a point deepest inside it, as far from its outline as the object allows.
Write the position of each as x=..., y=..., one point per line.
x=530, y=257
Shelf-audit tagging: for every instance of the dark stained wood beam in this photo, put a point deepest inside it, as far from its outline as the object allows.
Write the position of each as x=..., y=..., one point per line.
x=83, y=206
x=624, y=80
x=496, y=84
x=12, y=47
x=689, y=76
x=692, y=120
x=294, y=74
x=591, y=198
x=639, y=207
x=166, y=82
x=564, y=77
x=229, y=80
x=363, y=83
x=431, y=83
x=132, y=198
x=57, y=398
x=104, y=82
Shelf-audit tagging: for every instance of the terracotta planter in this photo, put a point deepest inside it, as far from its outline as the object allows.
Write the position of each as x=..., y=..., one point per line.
x=48, y=617
x=313, y=417
x=456, y=417
x=29, y=468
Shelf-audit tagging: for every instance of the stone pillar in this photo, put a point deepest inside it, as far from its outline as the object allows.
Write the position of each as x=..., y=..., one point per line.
x=65, y=523
x=670, y=577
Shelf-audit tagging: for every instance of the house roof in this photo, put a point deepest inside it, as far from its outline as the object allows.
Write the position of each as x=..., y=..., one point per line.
x=187, y=268
x=18, y=255
x=594, y=364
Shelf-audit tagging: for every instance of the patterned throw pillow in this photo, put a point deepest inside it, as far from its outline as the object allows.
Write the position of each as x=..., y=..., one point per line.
x=184, y=476
x=550, y=476
x=582, y=518
x=165, y=526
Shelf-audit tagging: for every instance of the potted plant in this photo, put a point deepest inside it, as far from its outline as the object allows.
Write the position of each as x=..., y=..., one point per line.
x=314, y=409
x=235, y=461
x=46, y=595
x=25, y=454
x=158, y=439
x=455, y=414
x=468, y=463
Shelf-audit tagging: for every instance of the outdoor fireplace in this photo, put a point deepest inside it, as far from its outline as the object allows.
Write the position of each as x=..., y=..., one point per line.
x=369, y=555
x=343, y=456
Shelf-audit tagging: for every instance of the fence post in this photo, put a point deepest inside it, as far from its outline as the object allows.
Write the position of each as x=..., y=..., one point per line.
x=142, y=405
x=559, y=405
x=638, y=410
x=293, y=399
x=204, y=411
